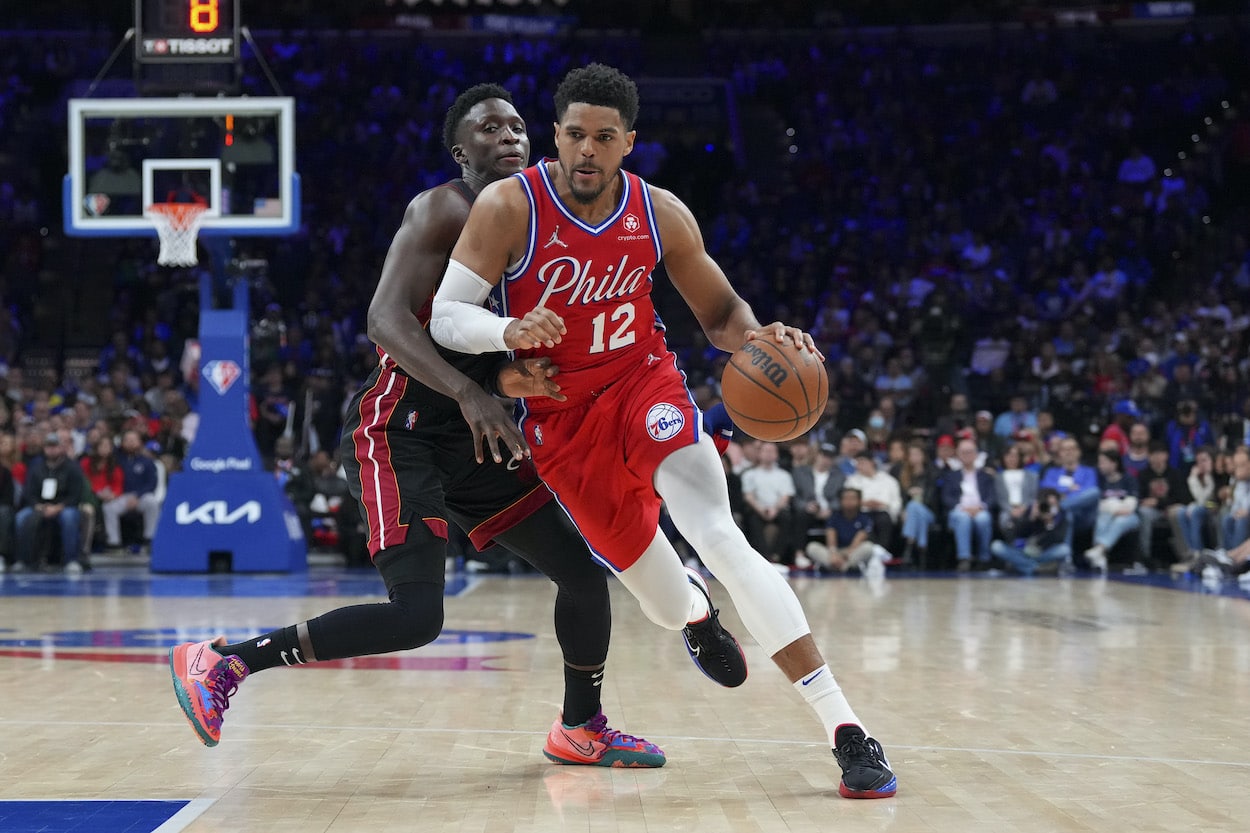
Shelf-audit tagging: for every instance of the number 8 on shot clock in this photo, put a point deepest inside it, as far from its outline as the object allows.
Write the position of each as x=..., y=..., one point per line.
x=186, y=31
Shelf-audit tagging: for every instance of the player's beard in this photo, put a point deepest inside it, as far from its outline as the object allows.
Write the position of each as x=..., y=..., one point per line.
x=586, y=196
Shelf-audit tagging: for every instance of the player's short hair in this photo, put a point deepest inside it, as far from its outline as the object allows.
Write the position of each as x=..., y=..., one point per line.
x=466, y=102
x=601, y=86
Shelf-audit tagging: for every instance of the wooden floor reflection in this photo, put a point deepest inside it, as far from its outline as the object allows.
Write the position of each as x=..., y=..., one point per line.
x=1004, y=704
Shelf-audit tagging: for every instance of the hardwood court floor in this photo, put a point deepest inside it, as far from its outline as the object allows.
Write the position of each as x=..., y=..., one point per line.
x=1005, y=705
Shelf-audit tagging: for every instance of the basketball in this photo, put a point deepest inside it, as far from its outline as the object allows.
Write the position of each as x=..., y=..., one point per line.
x=774, y=392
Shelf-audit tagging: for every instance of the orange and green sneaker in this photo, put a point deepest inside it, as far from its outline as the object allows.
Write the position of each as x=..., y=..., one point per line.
x=204, y=681
x=593, y=743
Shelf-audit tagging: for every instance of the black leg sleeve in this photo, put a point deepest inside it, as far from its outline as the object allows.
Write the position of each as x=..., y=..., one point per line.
x=583, y=615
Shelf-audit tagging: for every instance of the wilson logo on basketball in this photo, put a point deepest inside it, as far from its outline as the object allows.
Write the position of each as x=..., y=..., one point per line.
x=772, y=371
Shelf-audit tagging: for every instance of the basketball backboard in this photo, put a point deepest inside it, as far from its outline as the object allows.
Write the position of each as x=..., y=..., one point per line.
x=234, y=155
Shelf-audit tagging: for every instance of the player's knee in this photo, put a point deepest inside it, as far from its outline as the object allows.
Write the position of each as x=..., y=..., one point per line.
x=584, y=581
x=671, y=615
x=420, y=609
x=423, y=628
x=717, y=540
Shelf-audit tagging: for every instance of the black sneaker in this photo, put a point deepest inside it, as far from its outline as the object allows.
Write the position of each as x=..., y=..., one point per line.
x=713, y=648
x=865, y=771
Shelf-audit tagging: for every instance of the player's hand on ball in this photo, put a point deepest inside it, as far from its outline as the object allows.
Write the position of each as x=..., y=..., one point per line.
x=539, y=327
x=783, y=334
x=529, y=377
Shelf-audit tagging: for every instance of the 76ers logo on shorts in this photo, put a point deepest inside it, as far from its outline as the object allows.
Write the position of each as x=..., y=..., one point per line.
x=221, y=374
x=664, y=421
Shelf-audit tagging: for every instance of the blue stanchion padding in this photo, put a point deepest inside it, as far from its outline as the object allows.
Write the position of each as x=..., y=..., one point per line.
x=224, y=501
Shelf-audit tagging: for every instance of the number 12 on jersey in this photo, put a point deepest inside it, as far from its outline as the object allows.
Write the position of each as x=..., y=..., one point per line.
x=622, y=336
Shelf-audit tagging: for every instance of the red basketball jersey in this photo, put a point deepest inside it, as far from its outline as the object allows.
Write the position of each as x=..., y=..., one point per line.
x=597, y=278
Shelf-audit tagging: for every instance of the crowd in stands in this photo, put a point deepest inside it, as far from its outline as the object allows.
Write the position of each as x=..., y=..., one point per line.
x=1018, y=250
x=1035, y=506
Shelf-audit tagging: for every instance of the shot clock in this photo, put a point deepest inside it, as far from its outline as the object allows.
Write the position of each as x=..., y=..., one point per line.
x=186, y=31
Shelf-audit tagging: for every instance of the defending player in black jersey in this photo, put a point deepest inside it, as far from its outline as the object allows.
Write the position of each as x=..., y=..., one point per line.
x=413, y=447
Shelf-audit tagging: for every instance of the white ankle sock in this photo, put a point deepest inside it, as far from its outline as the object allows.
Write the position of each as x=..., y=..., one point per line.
x=699, y=606
x=699, y=610
x=824, y=695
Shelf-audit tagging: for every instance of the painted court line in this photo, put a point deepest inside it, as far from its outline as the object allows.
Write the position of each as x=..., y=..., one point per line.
x=183, y=818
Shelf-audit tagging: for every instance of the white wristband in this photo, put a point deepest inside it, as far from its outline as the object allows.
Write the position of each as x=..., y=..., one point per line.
x=457, y=318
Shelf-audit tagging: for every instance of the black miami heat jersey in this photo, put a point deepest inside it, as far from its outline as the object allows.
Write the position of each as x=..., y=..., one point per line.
x=474, y=366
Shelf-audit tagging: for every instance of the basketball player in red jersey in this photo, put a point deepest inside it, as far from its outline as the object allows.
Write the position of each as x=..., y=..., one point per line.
x=414, y=448
x=572, y=244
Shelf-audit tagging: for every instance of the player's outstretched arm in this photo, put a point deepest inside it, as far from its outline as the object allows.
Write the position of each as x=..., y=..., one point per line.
x=493, y=237
x=413, y=266
x=726, y=318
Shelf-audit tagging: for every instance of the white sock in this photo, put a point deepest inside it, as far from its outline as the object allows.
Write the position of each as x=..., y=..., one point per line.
x=824, y=695
x=699, y=609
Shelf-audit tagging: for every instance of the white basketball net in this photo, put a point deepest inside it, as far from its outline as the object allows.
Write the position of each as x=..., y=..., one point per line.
x=178, y=225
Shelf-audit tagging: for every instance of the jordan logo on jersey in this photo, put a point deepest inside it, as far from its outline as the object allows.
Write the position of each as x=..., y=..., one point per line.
x=555, y=240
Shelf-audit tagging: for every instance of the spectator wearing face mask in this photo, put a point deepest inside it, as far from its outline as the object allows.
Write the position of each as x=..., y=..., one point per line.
x=878, y=435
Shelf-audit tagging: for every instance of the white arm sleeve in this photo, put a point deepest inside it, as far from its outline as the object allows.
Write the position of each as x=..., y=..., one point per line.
x=458, y=320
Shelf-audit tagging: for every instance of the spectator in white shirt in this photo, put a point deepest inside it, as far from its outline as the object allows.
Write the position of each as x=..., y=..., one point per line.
x=1017, y=492
x=882, y=498
x=767, y=490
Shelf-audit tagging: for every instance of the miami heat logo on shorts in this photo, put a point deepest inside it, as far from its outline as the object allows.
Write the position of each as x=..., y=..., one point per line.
x=664, y=421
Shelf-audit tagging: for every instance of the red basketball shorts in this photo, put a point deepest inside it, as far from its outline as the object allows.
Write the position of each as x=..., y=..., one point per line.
x=598, y=457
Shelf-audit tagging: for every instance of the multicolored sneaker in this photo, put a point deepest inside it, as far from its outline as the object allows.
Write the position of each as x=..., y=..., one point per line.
x=865, y=771
x=713, y=649
x=204, y=681
x=593, y=743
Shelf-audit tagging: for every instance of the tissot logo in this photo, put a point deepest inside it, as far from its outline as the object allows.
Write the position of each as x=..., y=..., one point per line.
x=216, y=513
x=188, y=46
